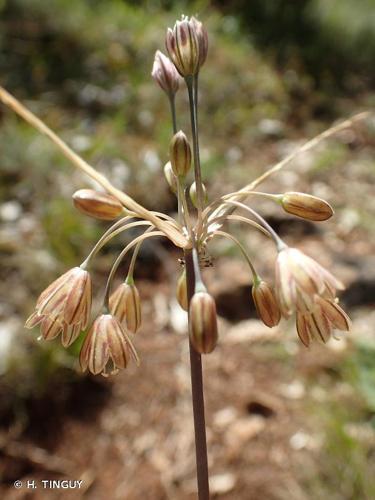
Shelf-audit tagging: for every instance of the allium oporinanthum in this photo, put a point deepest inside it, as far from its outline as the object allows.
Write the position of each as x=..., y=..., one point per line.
x=302, y=286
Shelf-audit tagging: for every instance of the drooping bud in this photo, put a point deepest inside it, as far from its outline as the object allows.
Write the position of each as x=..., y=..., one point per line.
x=306, y=206
x=193, y=194
x=181, y=291
x=165, y=73
x=202, y=40
x=170, y=177
x=265, y=303
x=125, y=304
x=180, y=154
x=99, y=205
x=183, y=47
x=106, y=348
x=203, y=322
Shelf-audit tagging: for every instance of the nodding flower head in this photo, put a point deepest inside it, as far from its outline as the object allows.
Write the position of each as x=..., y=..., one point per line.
x=64, y=307
x=183, y=47
x=165, y=74
x=106, y=348
x=305, y=287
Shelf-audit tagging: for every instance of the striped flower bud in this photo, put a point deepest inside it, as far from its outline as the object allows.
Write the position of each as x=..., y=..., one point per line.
x=64, y=307
x=170, y=177
x=306, y=206
x=165, y=73
x=106, y=348
x=181, y=291
x=202, y=36
x=265, y=303
x=183, y=47
x=180, y=154
x=125, y=304
x=193, y=194
x=203, y=322
x=96, y=204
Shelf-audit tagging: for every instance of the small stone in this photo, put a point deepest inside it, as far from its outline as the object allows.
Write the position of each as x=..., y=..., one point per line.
x=222, y=483
x=225, y=417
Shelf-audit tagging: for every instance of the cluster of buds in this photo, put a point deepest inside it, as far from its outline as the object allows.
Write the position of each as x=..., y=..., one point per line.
x=302, y=286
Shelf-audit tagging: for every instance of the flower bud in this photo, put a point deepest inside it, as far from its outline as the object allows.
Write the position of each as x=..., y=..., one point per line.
x=170, y=177
x=181, y=291
x=180, y=154
x=203, y=322
x=165, y=73
x=306, y=206
x=202, y=36
x=125, y=304
x=193, y=194
x=183, y=47
x=96, y=204
x=265, y=303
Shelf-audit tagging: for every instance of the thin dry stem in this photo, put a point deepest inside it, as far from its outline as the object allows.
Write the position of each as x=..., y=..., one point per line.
x=168, y=229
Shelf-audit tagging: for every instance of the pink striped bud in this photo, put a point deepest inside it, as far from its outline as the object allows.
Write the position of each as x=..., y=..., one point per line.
x=265, y=303
x=306, y=206
x=99, y=205
x=203, y=322
x=165, y=73
x=180, y=154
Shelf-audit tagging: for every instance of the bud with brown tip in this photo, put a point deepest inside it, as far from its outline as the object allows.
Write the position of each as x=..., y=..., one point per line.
x=180, y=154
x=183, y=47
x=203, y=322
x=265, y=303
x=125, y=304
x=170, y=177
x=99, y=205
x=181, y=291
x=165, y=73
x=306, y=206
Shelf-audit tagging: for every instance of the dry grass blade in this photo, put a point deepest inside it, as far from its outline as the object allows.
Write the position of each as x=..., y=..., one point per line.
x=168, y=229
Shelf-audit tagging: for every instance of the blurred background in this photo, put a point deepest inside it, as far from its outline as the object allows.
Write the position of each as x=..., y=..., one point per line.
x=284, y=422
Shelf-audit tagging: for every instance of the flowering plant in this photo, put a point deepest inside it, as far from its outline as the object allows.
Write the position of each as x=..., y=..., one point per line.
x=302, y=286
